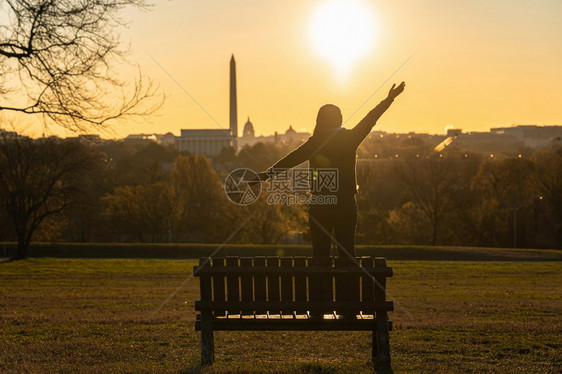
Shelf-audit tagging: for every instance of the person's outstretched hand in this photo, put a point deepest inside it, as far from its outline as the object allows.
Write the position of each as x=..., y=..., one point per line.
x=395, y=91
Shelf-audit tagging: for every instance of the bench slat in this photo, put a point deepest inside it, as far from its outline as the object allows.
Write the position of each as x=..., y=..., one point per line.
x=380, y=286
x=367, y=290
x=353, y=282
x=294, y=325
x=320, y=284
x=327, y=280
x=297, y=270
x=246, y=285
x=300, y=281
x=206, y=290
x=259, y=281
x=304, y=324
x=219, y=290
x=287, y=307
x=347, y=285
x=287, y=280
x=232, y=285
x=273, y=281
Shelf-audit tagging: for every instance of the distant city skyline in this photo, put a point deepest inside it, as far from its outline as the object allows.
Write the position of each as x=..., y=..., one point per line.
x=443, y=133
x=545, y=133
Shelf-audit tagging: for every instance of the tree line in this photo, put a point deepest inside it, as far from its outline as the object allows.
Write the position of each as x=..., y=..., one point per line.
x=74, y=190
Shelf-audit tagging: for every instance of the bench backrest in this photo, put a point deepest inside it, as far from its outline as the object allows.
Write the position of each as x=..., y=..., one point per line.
x=287, y=285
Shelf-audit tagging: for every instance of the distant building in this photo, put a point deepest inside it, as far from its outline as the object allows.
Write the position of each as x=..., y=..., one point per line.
x=87, y=139
x=290, y=137
x=248, y=130
x=453, y=132
x=166, y=139
x=141, y=137
x=530, y=135
x=163, y=139
x=208, y=142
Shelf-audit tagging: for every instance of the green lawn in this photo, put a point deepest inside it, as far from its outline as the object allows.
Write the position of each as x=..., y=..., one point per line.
x=68, y=315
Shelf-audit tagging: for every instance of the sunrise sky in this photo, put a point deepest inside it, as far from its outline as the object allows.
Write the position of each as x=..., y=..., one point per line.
x=476, y=64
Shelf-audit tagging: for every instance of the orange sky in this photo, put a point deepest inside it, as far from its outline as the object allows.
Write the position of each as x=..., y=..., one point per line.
x=477, y=64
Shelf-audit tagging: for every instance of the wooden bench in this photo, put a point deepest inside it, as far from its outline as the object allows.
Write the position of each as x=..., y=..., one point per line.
x=294, y=293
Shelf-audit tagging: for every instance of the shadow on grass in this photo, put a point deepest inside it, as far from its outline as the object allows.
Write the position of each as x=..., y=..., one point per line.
x=383, y=369
x=317, y=368
x=191, y=370
x=302, y=368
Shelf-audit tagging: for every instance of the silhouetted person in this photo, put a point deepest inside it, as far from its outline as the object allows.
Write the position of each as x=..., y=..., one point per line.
x=333, y=147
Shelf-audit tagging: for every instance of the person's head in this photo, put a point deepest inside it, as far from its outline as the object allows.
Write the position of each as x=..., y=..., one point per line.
x=329, y=118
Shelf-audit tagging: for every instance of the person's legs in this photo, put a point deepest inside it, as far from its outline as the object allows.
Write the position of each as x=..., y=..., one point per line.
x=320, y=230
x=345, y=235
x=345, y=227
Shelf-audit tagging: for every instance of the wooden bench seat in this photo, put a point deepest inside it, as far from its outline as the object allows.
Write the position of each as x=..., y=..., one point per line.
x=293, y=294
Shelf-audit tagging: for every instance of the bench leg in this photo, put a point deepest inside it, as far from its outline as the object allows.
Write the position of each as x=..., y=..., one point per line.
x=207, y=339
x=381, y=344
x=375, y=351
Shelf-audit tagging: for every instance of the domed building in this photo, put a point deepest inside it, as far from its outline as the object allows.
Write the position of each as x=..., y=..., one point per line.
x=248, y=130
x=290, y=135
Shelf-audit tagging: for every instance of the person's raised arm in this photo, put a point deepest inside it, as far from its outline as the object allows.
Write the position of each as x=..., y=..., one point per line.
x=296, y=157
x=364, y=127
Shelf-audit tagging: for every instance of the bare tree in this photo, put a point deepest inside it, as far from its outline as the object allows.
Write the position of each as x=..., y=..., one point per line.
x=38, y=180
x=548, y=181
x=57, y=58
x=431, y=184
x=142, y=211
x=506, y=190
x=198, y=197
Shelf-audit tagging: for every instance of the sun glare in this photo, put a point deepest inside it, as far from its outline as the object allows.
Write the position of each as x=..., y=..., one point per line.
x=343, y=32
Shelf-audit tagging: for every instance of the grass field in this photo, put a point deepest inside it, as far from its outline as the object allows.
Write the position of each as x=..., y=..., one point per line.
x=76, y=315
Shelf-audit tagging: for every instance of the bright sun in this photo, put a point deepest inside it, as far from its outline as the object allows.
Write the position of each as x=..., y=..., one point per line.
x=343, y=31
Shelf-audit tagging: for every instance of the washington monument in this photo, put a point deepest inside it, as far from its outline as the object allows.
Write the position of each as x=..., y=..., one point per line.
x=233, y=105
